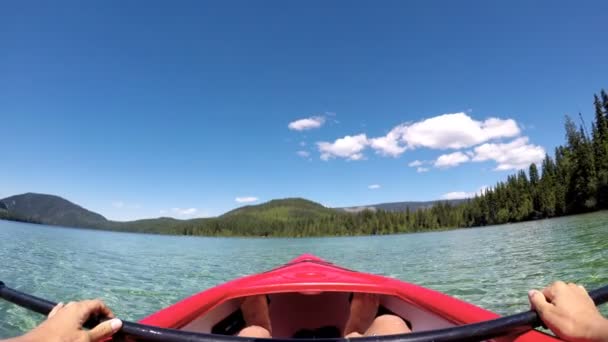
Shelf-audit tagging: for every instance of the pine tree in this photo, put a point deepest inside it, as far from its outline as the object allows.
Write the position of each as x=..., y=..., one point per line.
x=546, y=189
x=600, y=149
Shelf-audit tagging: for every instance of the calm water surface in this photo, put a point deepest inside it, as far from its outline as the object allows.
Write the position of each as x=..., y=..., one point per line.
x=136, y=275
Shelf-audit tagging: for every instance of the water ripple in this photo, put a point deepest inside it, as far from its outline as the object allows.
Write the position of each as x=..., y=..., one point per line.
x=138, y=274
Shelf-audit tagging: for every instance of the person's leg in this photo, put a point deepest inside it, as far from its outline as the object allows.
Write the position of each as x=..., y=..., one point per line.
x=363, y=309
x=257, y=317
x=387, y=325
x=363, y=321
x=255, y=332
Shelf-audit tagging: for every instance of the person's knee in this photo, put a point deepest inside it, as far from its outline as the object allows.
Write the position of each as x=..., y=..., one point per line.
x=255, y=331
x=390, y=324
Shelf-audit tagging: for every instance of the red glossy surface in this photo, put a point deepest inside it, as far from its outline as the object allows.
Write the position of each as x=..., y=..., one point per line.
x=311, y=274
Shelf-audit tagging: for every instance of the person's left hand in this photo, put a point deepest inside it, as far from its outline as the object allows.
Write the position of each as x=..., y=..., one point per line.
x=64, y=323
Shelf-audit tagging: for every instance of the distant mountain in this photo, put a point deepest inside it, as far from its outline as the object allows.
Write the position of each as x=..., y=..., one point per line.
x=52, y=210
x=400, y=206
x=282, y=217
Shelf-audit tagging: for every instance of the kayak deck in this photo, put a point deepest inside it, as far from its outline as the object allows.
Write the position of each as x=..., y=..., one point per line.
x=310, y=294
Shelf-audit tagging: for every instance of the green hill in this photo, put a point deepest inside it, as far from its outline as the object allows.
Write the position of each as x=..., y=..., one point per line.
x=291, y=217
x=52, y=210
x=274, y=218
x=282, y=209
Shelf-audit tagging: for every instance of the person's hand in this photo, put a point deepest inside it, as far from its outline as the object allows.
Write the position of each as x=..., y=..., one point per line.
x=569, y=312
x=64, y=323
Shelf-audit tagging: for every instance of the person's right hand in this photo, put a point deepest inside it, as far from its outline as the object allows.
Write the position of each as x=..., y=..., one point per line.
x=570, y=313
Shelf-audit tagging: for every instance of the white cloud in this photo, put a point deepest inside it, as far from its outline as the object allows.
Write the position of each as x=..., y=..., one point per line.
x=246, y=199
x=302, y=143
x=422, y=169
x=184, y=212
x=303, y=154
x=457, y=130
x=349, y=147
x=388, y=145
x=123, y=205
x=453, y=131
x=307, y=123
x=118, y=204
x=451, y=160
x=374, y=186
x=446, y=131
x=463, y=194
x=517, y=154
x=456, y=195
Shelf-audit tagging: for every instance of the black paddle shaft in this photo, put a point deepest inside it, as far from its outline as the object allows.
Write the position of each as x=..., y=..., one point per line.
x=507, y=325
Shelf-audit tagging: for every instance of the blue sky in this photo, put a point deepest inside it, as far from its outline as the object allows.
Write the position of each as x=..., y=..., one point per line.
x=143, y=108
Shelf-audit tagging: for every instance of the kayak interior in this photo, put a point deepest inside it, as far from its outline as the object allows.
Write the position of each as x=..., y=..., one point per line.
x=310, y=315
x=310, y=298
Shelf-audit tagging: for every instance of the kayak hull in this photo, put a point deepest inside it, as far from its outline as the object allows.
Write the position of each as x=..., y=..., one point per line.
x=309, y=292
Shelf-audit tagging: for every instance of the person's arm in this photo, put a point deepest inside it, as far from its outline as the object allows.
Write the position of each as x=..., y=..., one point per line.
x=570, y=313
x=64, y=323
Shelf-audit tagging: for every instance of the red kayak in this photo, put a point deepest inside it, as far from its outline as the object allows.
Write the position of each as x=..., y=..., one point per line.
x=309, y=293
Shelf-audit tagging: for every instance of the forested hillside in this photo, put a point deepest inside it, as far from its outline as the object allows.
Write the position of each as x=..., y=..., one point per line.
x=50, y=209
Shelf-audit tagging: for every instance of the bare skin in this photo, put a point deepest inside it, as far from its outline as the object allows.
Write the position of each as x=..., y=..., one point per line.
x=570, y=313
x=362, y=320
x=256, y=315
x=64, y=323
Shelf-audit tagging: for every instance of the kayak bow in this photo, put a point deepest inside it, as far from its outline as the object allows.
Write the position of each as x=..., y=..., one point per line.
x=309, y=293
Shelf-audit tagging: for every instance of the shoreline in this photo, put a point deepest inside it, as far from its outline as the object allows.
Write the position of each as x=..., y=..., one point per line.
x=438, y=230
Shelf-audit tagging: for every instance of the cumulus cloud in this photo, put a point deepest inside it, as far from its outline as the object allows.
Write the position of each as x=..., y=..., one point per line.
x=303, y=154
x=415, y=163
x=456, y=195
x=455, y=131
x=388, y=145
x=184, y=212
x=246, y=199
x=463, y=194
x=307, y=123
x=515, y=155
x=447, y=131
x=450, y=160
x=349, y=147
x=374, y=186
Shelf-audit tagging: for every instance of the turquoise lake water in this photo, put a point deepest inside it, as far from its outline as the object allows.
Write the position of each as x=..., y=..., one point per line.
x=137, y=274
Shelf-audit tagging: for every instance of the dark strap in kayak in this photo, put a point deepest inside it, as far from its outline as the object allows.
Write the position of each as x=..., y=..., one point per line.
x=508, y=325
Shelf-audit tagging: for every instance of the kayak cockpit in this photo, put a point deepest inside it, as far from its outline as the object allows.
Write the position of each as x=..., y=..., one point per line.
x=310, y=315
